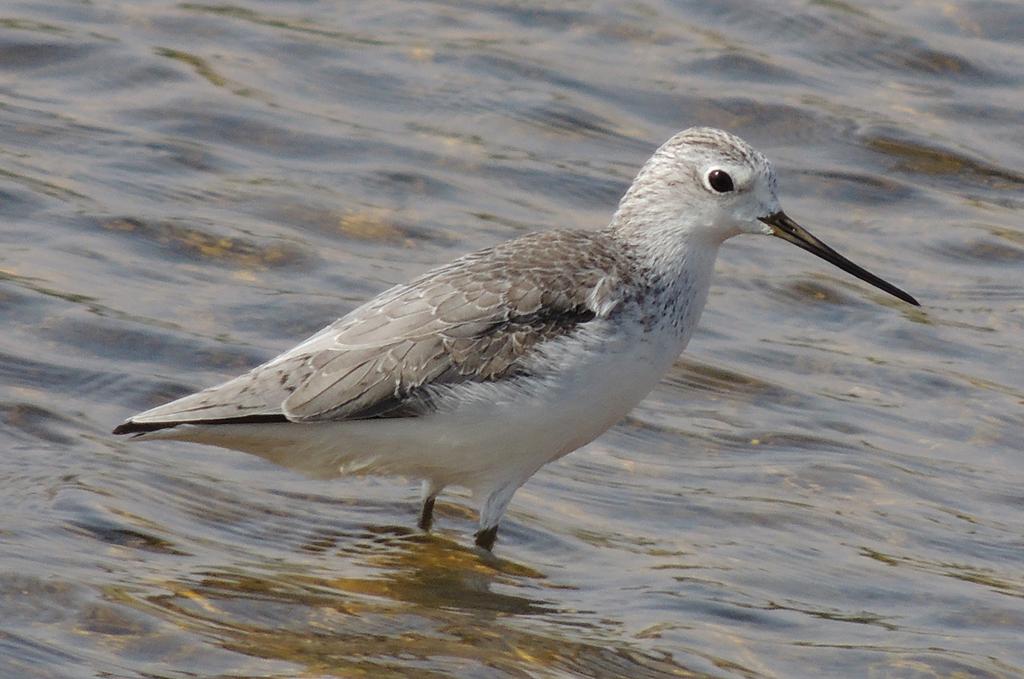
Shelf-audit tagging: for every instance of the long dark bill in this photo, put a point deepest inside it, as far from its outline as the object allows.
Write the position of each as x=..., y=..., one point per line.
x=786, y=229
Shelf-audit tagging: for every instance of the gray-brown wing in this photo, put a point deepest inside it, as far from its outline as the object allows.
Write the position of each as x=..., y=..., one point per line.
x=474, y=319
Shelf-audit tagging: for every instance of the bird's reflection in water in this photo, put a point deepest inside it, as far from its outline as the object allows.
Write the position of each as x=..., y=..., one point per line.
x=375, y=601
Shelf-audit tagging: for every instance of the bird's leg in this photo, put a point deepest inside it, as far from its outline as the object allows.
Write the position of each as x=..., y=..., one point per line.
x=490, y=514
x=427, y=513
x=429, y=493
x=485, y=537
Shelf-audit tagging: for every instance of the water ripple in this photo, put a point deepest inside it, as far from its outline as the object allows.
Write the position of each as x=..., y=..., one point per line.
x=828, y=484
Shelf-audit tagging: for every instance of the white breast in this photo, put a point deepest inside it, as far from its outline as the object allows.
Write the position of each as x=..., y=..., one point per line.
x=581, y=385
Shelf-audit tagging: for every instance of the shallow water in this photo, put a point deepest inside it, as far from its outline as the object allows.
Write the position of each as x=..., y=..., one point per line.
x=828, y=484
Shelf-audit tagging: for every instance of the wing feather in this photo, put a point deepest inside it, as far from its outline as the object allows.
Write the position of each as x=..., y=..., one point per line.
x=474, y=319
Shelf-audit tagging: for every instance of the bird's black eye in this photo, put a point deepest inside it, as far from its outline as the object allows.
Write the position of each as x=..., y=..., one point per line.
x=720, y=181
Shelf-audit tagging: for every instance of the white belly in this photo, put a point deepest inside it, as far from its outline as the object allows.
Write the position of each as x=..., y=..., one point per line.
x=485, y=434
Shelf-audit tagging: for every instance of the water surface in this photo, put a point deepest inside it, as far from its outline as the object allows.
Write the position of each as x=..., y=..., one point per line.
x=829, y=484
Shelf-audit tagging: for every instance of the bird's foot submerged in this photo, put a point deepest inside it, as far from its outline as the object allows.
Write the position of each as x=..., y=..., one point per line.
x=485, y=537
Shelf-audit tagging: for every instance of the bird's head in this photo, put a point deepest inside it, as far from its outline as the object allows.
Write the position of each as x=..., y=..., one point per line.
x=704, y=186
